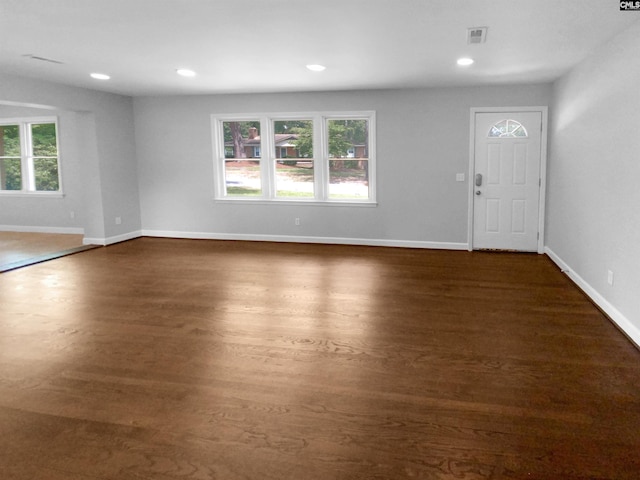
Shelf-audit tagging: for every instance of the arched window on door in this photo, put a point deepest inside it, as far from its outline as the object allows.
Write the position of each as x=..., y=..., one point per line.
x=508, y=129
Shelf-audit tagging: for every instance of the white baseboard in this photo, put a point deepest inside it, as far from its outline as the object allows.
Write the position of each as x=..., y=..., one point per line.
x=612, y=312
x=31, y=229
x=302, y=239
x=111, y=240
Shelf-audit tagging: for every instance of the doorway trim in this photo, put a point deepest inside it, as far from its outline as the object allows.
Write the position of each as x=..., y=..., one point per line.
x=543, y=165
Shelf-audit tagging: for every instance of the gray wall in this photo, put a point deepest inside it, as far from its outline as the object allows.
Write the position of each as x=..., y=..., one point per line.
x=422, y=142
x=159, y=179
x=97, y=154
x=49, y=212
x=593, y=220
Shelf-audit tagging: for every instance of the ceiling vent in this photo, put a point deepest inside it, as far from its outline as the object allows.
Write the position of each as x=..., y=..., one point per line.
x=42, y=59
x=477, y=35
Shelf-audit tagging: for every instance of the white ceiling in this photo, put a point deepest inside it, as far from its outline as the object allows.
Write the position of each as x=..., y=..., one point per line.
x=264, y=45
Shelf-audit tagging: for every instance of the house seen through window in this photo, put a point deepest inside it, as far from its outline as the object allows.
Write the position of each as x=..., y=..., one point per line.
x=274, y=157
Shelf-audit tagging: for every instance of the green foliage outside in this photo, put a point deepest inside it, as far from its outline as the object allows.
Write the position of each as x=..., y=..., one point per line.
x=46, y=173
x=304, y=131
x=45, y=157
x=343, y=134
x=243, y=191
x=253, y=192
x=10, y=174
x=10, y=170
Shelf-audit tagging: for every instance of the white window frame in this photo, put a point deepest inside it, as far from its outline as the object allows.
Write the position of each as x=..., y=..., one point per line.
x=26, y=157
x=269, y=159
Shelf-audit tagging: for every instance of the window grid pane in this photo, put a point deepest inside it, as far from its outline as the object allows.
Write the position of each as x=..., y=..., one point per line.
x=10, y=141
x=348, y=147
x=46, y=174
x=43, y=138
x=242, y=178
x=293, y=153
x=349, y=179
x=294, y=179
x=44, y=148
x=36, y=169
x=10, y=174
x=242, y=166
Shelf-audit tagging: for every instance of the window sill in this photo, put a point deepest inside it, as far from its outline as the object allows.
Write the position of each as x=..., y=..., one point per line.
x=22, y=194
x=315, y=203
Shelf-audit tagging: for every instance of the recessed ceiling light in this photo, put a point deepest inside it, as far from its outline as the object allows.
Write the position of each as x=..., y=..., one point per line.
x=185, y=72
x=465, y=62
x=316, y=68
x=100, y=76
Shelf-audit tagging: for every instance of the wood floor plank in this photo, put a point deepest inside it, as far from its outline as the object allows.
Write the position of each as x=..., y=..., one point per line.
x=166, y=359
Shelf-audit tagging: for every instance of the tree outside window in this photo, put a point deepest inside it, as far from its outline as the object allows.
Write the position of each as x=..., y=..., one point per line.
x=29, y=159
x=308, y=157
x=242, y=171
x=349, y=158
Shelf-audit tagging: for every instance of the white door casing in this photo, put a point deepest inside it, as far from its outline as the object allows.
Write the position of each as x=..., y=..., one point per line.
x=507, y=207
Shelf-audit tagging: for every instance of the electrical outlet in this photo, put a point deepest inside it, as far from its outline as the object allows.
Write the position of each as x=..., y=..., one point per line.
x=297, y=221
x=72, y=214
x=118, y=220
x=610, y=277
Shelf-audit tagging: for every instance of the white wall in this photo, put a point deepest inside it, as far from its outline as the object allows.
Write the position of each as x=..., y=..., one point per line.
x=422, y=142
x=98, y=160
x=593, y=221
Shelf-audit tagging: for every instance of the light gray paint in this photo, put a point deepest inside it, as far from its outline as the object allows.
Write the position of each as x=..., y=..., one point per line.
x=422, y=142
x=37, y=211
x=92, y=215
x=423, y=139
x=593, y=220
x=98, y=159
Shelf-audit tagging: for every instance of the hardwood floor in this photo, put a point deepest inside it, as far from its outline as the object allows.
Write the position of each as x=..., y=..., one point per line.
x=19, y=249
x=193, y=359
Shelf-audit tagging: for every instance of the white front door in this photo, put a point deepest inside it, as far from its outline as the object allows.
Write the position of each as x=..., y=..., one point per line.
x=506, y=180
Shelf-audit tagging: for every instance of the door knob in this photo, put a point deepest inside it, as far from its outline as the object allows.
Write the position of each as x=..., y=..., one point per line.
x=478, y=192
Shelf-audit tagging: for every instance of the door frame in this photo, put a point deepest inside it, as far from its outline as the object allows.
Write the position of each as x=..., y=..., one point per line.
x=543, y=165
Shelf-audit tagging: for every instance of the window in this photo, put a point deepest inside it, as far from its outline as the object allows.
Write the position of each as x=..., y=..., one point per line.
x=29, y=160
x=294, y=173
x=508, y=129
x=241, y=169
x=349, y=158
x=319, y=157
x=10, y=158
